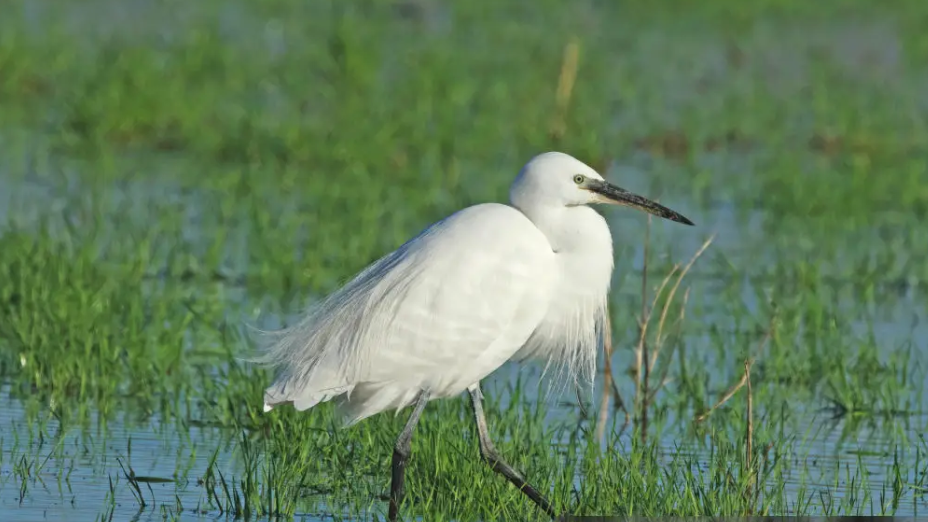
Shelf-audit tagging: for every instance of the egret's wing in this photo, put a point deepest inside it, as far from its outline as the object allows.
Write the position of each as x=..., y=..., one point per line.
x=442, y=312
x=485, y=277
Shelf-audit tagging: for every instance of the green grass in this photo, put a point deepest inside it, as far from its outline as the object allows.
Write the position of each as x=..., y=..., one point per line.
x=158, y=193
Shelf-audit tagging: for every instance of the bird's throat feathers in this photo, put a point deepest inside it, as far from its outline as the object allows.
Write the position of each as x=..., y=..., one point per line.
x=569, y=337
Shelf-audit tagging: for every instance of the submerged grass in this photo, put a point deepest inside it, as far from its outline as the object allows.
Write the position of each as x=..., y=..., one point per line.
x=165, y=180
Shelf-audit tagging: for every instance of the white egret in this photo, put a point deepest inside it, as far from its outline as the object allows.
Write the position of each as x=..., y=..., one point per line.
x=487, y=284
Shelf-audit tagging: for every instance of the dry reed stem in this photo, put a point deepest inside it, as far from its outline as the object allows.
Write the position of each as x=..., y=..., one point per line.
x=664, y=380
x=607, y=381
x=642, y=341
x=641, y=352
x=744, y=378
x=583, y=413
x=660, y=325
x=645, y=362
x=728, y=395
x=749, y=433
x=565, y=87
x=643, y=318
x=647, y=393
x=642, y=392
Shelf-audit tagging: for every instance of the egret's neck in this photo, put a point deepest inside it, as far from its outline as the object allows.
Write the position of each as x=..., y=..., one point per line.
x=577, y=229
x=580, y=279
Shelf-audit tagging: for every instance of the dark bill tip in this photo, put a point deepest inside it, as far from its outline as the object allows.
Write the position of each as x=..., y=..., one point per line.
x=681, y=219
x=619, y=196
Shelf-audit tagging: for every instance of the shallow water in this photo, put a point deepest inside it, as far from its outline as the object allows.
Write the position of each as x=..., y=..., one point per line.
x=744, y=265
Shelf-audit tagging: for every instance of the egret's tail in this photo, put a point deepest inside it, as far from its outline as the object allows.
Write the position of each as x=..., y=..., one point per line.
x=354, y=402
x=301, y=399
x=331, y=349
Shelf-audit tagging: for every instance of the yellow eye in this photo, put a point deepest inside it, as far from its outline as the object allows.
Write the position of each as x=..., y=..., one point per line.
x=578, y=179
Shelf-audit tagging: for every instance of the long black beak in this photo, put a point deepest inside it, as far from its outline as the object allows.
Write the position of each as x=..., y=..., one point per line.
x=614, y=195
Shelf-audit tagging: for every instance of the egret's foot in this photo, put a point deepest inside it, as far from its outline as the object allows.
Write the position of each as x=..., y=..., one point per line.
x=398, y=478
x=401, y=452
x=497, y=462
x=499, y=465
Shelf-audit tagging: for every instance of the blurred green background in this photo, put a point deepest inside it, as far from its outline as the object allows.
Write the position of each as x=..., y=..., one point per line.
x=173, y=171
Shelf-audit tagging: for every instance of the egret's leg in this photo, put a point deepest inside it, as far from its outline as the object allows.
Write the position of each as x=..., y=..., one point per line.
x=401, y=454
x=493, y=458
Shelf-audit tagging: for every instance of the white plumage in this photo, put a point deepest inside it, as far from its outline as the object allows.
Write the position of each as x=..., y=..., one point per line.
x=485, y=285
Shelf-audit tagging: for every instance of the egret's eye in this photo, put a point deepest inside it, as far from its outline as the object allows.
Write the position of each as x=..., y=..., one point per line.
x=578, y=179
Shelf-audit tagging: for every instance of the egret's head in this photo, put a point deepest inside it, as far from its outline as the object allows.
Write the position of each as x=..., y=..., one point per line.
x=555, y=178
